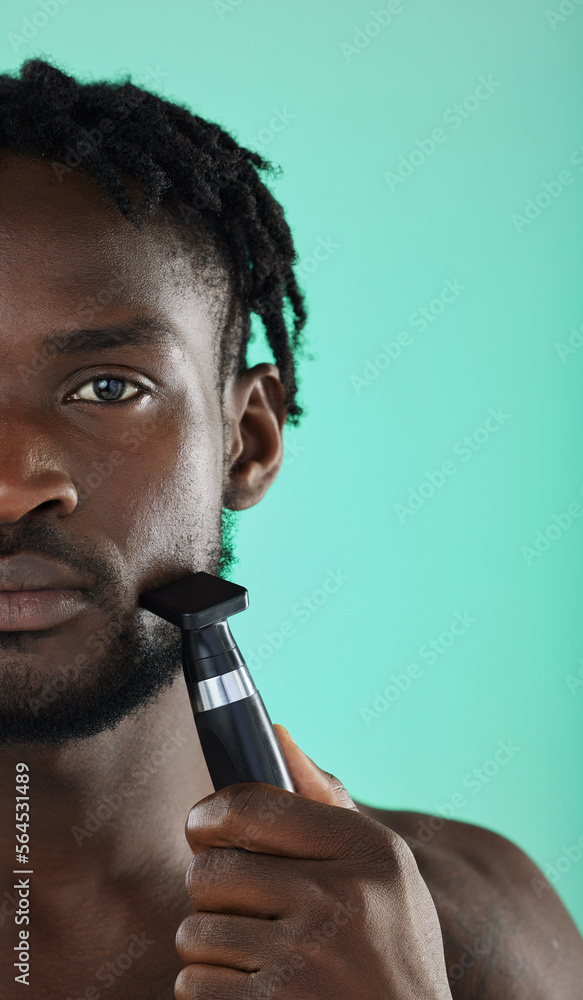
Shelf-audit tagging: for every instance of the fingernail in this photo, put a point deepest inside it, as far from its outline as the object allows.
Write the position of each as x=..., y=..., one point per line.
x=286, y=730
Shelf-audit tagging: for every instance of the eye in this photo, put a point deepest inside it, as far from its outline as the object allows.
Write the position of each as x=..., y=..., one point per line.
x=108, y=389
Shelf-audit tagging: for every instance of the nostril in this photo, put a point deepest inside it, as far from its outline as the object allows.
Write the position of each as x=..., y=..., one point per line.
x=46, y=504
x=21, y=502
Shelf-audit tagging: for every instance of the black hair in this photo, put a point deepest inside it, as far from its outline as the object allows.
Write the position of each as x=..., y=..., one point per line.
x=187, y=164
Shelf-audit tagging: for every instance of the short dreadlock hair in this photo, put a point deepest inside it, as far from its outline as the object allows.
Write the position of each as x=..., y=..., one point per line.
x=184, y=163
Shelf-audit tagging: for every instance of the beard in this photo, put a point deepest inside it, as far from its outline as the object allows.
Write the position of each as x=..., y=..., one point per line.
x=132, y=660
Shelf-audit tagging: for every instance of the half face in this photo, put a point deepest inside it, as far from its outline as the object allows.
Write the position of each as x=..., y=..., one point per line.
x=115, y=454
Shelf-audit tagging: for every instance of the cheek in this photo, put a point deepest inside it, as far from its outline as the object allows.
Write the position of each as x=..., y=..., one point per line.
x=161, y=501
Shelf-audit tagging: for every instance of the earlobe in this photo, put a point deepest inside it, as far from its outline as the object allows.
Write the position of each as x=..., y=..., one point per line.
x=258, y=416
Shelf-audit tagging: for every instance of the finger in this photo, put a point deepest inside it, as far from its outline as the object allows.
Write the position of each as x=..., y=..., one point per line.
x=270, y=820
x=234, y=942
x=225, y=880
x=309, y=779
x=211, y=982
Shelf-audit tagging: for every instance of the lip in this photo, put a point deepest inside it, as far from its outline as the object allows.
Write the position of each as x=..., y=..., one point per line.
x=37, y=594
x=29, y=572
x=31, y=610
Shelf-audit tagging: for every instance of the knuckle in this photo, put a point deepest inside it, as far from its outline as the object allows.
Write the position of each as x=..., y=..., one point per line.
x=314, y=898
x=292, y=972
x=244, y=804
x=206, y=866
x=245, y=798
x=195, y=929
x=185, y=987
x=396, y=856
x=275, y=806
x=335, y=784
x=337, y=907
x=341, y=793
x=319, y=898
x=382, y=851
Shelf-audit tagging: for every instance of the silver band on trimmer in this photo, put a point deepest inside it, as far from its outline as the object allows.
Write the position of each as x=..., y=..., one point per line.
x=224, y=689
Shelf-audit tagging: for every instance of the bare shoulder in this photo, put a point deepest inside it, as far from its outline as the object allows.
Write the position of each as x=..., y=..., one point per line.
x=507, y=935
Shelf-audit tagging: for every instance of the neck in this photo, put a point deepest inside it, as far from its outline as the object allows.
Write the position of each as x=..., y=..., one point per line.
x=118, y=794
x=107, y=842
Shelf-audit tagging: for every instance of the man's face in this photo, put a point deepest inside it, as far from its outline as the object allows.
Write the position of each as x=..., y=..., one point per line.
x=112, y=459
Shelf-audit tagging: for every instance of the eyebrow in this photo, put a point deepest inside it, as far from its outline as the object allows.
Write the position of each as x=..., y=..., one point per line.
x=139, y=332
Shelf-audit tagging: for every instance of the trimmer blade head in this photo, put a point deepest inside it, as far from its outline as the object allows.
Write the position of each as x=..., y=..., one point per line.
x=196, y=600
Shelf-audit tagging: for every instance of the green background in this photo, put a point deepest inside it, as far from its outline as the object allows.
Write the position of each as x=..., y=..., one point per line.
x=346, y=115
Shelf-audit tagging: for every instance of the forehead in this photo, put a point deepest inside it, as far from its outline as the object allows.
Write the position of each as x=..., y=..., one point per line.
x=62, y=240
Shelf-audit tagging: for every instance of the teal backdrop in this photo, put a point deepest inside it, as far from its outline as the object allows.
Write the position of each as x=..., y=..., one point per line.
x=415, y=571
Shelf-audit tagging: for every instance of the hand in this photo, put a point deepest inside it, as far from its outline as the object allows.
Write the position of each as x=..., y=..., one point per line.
x=327, y=905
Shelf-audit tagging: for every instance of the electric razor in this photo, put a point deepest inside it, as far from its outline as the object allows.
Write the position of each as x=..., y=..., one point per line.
x=235, y=731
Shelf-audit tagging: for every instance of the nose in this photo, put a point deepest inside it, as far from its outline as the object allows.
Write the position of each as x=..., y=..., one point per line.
x=32, y=474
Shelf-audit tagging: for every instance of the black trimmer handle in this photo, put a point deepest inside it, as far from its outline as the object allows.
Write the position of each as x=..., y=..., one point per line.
x=239, y=744
x=236, y=736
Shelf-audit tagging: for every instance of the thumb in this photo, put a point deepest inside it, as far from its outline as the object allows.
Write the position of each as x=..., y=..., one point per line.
x=309, y=779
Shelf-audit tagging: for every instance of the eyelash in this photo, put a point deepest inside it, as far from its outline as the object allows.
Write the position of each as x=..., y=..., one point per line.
x=102, y=376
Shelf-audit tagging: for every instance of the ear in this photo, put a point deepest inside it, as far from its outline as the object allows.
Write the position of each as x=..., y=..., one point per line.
x=256, y=412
